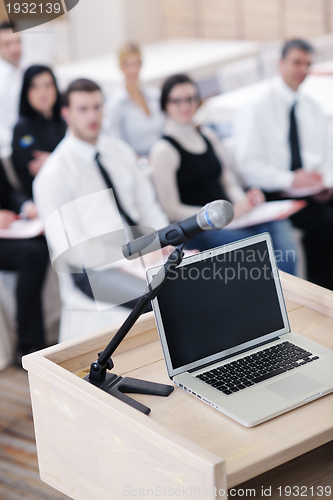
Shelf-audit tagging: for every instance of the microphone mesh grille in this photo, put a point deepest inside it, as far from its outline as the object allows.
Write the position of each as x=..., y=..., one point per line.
x=215, y=215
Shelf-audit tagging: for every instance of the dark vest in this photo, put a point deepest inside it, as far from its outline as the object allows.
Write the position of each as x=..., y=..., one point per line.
x=199, y=175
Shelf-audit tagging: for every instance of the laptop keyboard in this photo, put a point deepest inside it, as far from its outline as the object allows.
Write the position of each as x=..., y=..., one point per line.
x=257, y=367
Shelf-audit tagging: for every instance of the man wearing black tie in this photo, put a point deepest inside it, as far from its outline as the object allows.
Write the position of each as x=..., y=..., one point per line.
x=92, y=186
x=283, y=146
x=29, y=258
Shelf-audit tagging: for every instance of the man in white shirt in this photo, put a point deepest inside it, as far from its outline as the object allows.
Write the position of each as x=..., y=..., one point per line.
x=10, y=82
x=91, y=186
x=283, y=146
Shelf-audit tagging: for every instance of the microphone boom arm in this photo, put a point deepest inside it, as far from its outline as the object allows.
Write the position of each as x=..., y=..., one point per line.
x=110, y=382
x=214, y=215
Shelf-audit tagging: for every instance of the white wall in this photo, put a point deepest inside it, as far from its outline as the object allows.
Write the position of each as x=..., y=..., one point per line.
x=144, y=20
x=95, y=27
x=100, y=26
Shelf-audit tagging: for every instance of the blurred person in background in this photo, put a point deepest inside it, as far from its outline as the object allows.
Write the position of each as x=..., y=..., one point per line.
x=40, y=127
x=10, y=81
x=283, y=143
x=189, y=171
x=96, y=179
x=133, y=112
x=29, y=258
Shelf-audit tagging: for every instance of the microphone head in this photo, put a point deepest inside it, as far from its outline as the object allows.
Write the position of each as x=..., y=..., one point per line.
x=215, y=215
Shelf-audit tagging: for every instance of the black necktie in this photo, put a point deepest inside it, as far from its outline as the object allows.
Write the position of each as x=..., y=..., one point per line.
x=296, y=161
x=110, y=185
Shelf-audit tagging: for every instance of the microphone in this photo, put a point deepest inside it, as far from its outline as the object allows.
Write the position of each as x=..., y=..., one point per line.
x=214, y=215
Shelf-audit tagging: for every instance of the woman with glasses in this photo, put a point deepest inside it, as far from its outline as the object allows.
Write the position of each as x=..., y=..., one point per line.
x=133, y=112
x=40, y=127
x=188, y=172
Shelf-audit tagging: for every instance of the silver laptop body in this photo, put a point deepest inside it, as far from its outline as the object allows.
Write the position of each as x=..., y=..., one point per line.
x=224, y=306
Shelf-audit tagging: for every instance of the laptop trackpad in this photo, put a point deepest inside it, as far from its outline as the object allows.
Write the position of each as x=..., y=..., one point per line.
x=294, y=386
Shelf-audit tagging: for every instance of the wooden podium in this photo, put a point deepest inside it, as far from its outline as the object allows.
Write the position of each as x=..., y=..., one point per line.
x=92, y=446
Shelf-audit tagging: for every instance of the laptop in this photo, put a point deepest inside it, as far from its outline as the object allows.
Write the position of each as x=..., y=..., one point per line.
x=226, y=337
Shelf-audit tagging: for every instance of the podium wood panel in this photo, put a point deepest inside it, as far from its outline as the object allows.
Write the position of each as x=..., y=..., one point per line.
x=89, y=443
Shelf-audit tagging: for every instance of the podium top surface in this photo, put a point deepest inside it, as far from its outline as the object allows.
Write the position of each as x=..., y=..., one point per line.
x=247, y=452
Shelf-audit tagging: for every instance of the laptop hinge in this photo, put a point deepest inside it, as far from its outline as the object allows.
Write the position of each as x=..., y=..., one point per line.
x=233, y=355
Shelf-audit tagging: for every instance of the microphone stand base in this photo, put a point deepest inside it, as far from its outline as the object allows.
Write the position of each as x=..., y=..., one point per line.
x=118, y=386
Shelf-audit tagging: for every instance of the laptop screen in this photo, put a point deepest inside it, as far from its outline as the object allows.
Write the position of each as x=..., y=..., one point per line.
x=218, y=304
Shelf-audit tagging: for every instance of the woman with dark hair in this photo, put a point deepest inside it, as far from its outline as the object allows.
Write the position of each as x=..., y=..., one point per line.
x=189, y=171
x=40, y=127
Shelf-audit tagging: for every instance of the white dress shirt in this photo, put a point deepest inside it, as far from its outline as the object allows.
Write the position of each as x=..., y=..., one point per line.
x=10, y=89
x=262, y=138
x=127, y=120
x=71, y=195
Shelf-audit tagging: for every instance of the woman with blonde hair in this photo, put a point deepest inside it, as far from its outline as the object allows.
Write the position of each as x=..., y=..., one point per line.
x=133, y=112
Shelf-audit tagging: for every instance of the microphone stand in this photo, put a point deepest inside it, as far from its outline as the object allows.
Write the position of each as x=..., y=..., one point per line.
x=110, y=382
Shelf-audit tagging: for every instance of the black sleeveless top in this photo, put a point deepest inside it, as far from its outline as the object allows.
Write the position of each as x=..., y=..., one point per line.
x=199, y=175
